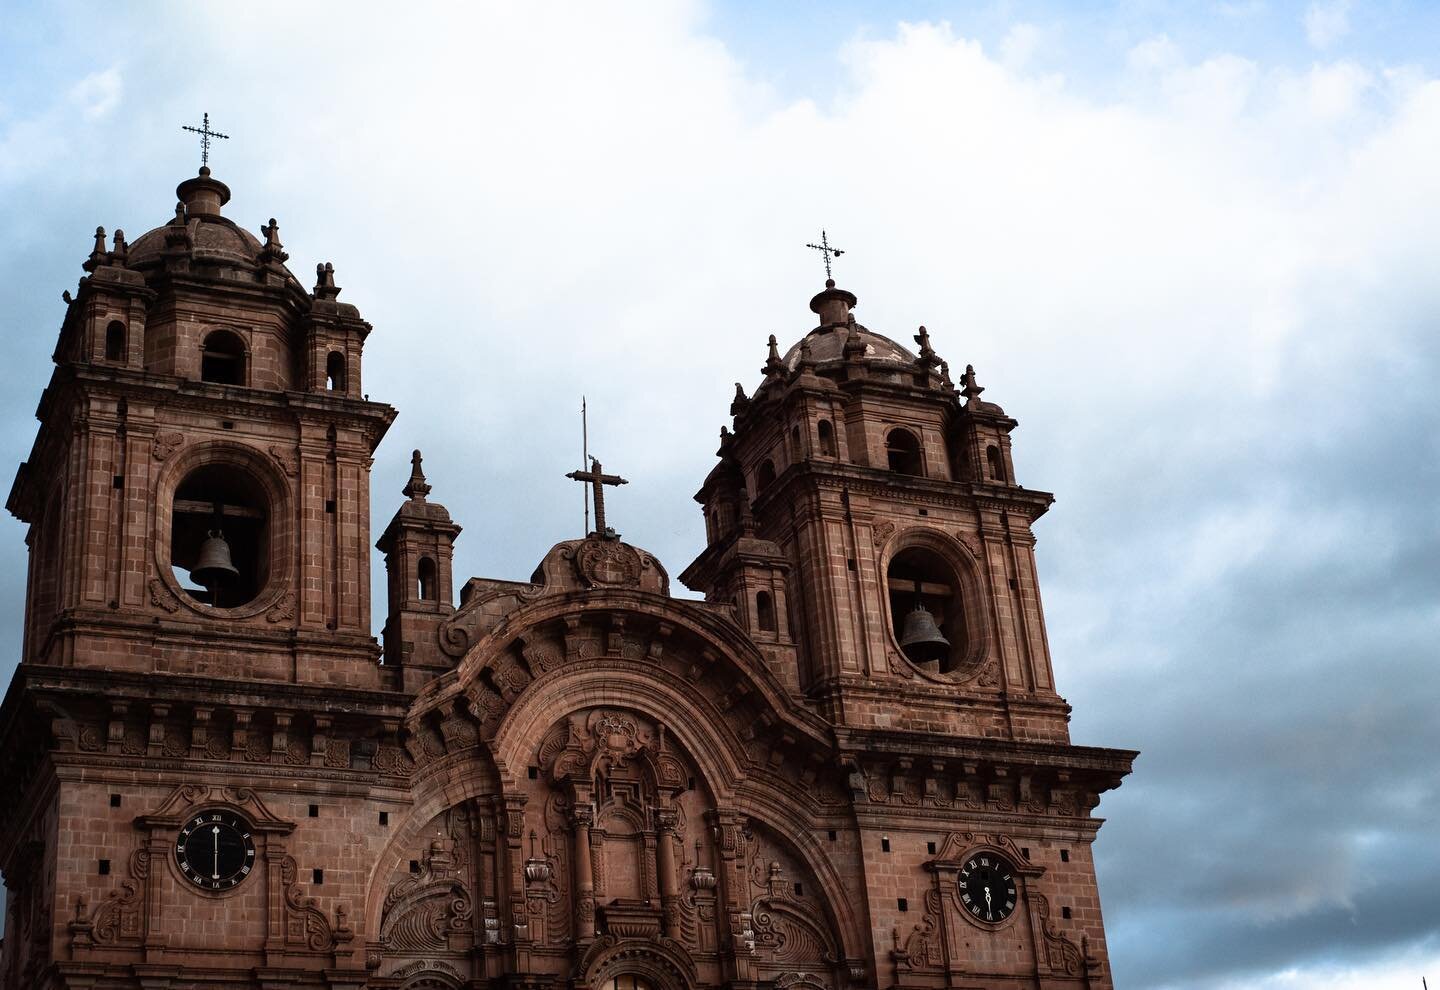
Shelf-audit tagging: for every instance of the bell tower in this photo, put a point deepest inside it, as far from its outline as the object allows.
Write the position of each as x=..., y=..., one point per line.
x=873, y=503
x=197, y=494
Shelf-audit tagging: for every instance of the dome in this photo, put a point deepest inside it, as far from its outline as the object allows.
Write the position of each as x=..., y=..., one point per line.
x=207, y=235
x=827, y=344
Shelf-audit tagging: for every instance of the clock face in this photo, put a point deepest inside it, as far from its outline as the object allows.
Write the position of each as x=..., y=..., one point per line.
x=987, y=888
x=214, y=850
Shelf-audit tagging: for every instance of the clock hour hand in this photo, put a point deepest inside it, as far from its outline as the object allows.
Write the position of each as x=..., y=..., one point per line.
x=215, y=873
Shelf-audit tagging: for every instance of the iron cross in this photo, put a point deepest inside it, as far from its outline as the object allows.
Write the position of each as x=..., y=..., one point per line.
x=599, y=479
x=826, y=250
x=205, y=135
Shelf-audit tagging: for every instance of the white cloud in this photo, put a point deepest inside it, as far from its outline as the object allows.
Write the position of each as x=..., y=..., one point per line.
x=1327, y=22
x=98, y=93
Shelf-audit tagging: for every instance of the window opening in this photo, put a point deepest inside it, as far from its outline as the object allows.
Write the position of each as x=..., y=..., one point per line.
x=765, y=475
x=827, y=439
x=427, y=580
x=903, y=451
x=115, y=341
x=335, y=372
x=997, y=465
x=222, y=359
x=765, y=611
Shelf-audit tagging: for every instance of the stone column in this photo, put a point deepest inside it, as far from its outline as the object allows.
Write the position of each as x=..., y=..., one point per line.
x=582, y=818
x=668, y=818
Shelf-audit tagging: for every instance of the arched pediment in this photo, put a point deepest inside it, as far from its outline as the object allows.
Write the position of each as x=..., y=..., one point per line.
x=700, y=663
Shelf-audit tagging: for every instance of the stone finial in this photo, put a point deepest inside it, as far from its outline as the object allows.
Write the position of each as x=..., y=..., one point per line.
x=806, y=358
x=416, y=488
x=67, y=297
x=854, y=349
x=726, y=439
x=179, y=213
x=971, y=388
x=927, y=356
x=741, y=401
x=945, y=374
x=98, y=254
x=773, y=365
x=273, y=249
x=325, y=281
x=121, y=251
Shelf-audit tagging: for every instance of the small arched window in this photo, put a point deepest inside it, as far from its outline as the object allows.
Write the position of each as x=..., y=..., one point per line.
x=827, y=439
x=764, y=476
x=115, y=341
x=795, y=452
x=427, y=590
x=222, y=358
x=335, y=372
x=996, y=463
x=765, y=611
x=903, y=451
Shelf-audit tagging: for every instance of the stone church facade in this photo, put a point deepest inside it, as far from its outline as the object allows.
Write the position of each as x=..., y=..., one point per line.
x=847, y=766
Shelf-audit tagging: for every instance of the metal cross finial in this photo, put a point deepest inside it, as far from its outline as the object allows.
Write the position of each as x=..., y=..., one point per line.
x=826, y=250
x=599, y=479
x=205, y=135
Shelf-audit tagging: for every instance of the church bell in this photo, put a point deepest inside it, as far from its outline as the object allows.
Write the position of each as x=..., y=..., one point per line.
x=921, y=638
x=213, y=563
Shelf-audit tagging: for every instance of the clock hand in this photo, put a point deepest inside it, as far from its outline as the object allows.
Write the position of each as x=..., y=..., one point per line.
x=215, y=874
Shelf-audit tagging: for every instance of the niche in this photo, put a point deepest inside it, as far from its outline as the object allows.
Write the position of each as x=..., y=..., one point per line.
x=220, y=536
x=902, y=449
x=920, y=579
x=222, y=358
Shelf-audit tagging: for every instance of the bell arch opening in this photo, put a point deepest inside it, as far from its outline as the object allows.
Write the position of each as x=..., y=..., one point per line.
x=335, y=372
x=902, y=450
x=222, y=358
x=927, y=610
x=115, y=342
x=220, y=535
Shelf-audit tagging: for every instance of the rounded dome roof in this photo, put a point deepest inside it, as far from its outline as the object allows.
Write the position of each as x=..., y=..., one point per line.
x=828, y=343
x=216, y=238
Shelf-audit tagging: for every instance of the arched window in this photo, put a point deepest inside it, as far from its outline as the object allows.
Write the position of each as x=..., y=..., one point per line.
x=765, y=611
x=220, y=536
x=927, y=610
x=827, y=439
x=335, y=372
x=903, y=451
x=996, y=462
x=795, y=453
x=764, y=476
x=428, y=589
x=115, y=341
x=222, y=358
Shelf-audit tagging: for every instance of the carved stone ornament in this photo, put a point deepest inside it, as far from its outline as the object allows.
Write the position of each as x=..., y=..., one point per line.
x=166, y=443
x=608, y=563
x=882, y=532
x=288, y=460
x=423, y=910
x=283, y=610
x=305, y=924
x=161, y=598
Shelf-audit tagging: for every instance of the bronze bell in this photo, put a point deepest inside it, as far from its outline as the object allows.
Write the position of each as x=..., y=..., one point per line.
x=921, y=638
x=213, y=563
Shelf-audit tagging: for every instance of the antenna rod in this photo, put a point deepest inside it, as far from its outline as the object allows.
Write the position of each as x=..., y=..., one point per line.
x=585, y=460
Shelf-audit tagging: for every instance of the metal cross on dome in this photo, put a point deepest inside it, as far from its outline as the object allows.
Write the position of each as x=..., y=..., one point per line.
x=826, y=250
x=597, y=477
x=205, y=135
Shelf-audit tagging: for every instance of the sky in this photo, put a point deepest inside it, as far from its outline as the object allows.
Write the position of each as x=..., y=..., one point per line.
x=1191, y=247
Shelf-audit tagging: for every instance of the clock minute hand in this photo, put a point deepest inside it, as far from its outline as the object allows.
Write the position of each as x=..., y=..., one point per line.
x=215, y=873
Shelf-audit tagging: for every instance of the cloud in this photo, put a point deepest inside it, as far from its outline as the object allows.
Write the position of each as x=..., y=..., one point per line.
x=1327, y=23
x=1208, y=299
x=97, y=94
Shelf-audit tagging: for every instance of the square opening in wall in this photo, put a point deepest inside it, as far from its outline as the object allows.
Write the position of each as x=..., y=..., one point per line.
x=314, y=811
x=533, y=773
x=1064, y=855
x=317, y=877
x=903, y=904
x=930, y=848
x=384, y=818
x=1064, y=912
x=885, y=845
x=114, y=800
x=104, y=867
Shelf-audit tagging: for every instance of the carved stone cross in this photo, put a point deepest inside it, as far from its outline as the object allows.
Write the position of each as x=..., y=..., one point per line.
x=599, y=479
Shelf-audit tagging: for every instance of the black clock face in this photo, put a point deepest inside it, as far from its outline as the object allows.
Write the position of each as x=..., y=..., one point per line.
x=987, y=888
x=215, y=850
